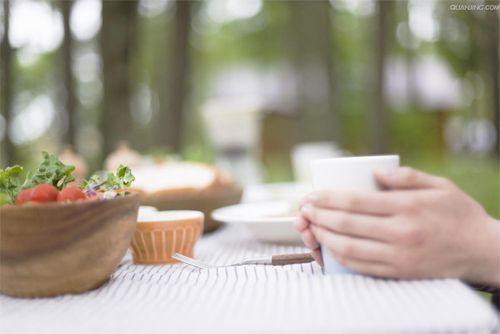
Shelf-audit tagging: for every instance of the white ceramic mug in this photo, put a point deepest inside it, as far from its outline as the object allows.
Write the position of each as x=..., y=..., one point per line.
x=353, y=173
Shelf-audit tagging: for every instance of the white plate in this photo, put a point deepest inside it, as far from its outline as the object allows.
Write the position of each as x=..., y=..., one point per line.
x=268, y=221
x=291, y=191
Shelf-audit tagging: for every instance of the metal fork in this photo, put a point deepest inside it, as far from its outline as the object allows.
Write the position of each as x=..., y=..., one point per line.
x=276, y=260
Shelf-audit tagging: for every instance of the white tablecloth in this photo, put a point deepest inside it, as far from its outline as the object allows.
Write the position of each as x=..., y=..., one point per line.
x=250, y=299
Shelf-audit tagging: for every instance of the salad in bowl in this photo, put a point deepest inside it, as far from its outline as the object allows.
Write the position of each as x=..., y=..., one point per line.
x=57, y=237
x=53, y=181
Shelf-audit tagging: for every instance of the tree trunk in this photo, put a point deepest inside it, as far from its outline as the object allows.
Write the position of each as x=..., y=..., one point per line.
x=492, y=33
x=171, y=119
x=401, y=8
x=118, y=32
x=311, y=52
x=68, y=77
x=6, y=83
x=378, y=119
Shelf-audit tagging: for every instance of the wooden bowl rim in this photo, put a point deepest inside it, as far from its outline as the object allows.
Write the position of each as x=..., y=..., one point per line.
x=67, y=205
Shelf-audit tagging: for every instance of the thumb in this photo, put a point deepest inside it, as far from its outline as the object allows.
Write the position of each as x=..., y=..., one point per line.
x=408, y=178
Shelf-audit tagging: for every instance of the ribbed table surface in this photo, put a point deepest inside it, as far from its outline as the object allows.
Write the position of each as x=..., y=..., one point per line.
x=251, y=299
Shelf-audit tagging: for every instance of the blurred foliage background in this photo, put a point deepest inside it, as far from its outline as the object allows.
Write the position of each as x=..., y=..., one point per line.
x=418, y=78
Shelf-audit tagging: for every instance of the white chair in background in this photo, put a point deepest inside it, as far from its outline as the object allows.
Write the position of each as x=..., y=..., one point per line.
x=234, y=131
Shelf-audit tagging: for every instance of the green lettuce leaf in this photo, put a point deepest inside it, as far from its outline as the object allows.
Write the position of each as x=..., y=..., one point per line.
x=93, y=181
x=122, y=178
x=10, y=184
x=51, y=171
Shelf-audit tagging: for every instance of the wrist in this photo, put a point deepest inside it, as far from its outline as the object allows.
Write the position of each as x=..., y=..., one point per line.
x=485, y=264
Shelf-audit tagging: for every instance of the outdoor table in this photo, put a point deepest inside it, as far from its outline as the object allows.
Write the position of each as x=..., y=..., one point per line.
x=257, y=298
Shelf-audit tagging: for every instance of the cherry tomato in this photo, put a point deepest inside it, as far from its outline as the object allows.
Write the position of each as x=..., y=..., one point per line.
x=24, y=196
x=44, y=193
x=71, y=193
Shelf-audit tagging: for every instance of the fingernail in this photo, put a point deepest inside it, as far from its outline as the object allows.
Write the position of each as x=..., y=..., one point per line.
x=312, y=198
x=306, y=209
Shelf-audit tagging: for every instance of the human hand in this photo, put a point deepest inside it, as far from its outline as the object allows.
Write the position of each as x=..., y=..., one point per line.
x=303, y=227
x=426, y=227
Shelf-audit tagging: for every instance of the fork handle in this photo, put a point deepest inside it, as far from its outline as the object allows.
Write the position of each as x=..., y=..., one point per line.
x=279, y=260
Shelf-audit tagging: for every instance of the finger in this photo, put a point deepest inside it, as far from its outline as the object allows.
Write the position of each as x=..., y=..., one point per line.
x=316, y=254
x=309, y=239
x=303, y=201
x=341, y=222
x=301, y=224
x=408, y=178
x=346, y=246
x=364, y=202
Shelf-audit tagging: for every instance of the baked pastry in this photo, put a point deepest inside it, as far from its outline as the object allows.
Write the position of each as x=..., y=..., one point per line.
x=174, y=185
x=178, y=178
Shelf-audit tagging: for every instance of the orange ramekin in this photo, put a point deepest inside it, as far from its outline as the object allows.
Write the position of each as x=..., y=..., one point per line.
x=159, y=235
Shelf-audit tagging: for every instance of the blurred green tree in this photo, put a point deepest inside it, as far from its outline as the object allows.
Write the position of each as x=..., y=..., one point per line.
x=491, y=31
x=171, y=120
x=378, y=115
x=117, y=41
x=7, y=83
x=311, y=55
x=70, y=103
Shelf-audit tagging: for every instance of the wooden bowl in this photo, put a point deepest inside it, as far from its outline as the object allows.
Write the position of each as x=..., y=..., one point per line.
x=204, y=201
x=56, y=248
x=159, y=235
